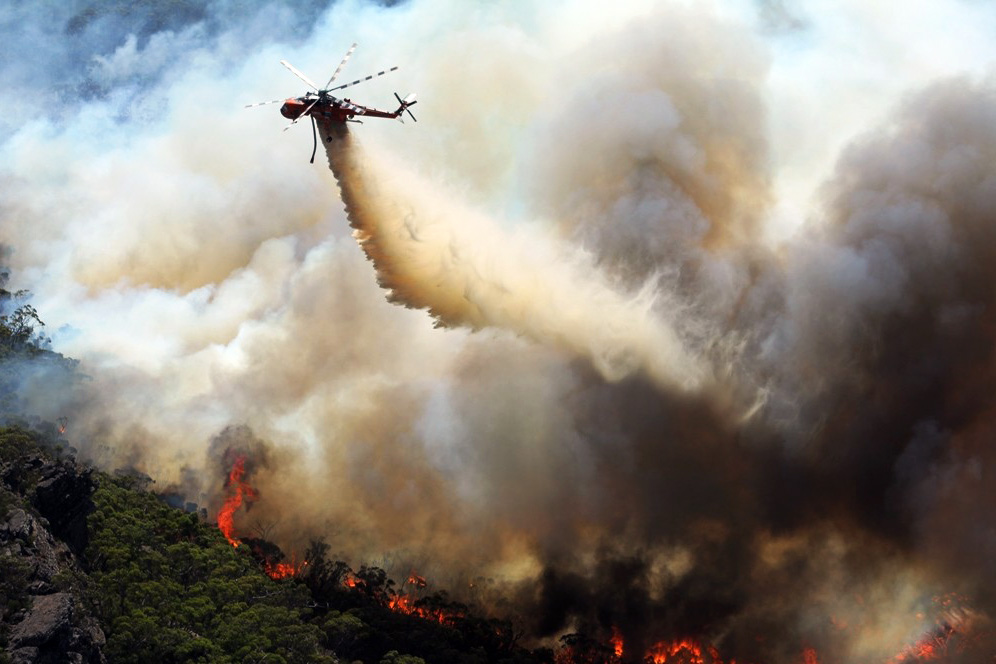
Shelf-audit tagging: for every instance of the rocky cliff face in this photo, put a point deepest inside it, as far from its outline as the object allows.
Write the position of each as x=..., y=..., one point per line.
x=43, y=508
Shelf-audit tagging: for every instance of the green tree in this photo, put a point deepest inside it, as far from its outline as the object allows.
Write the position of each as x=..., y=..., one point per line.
x=168, y=588
x=392, y=657
x=18, y=319
x=343, y=630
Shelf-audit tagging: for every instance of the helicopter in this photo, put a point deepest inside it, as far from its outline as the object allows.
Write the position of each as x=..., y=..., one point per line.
x=319, y=103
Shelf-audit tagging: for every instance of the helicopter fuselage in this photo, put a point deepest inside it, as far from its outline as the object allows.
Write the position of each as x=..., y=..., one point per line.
x=325, y=109
x=332, y=109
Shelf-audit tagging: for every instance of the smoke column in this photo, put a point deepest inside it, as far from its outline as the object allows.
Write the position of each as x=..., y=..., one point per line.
x=432, y=254
x=697, y=335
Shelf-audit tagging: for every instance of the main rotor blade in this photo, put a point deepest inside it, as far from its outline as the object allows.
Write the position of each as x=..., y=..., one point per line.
x=363, y=80
x=341, y=65
x=264, y=103
x=299, y=74
x=294, y=122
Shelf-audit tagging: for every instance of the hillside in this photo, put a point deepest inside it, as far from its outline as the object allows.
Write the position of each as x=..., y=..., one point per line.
x=96, y=568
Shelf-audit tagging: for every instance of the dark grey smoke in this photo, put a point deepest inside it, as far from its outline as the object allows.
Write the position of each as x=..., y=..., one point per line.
x=877, y=341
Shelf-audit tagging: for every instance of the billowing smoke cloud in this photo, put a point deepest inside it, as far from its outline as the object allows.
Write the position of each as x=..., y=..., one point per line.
x=608, y=389
x=432, y=254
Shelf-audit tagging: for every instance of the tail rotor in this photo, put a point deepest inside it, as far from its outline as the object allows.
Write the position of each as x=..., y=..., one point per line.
x=405, y=103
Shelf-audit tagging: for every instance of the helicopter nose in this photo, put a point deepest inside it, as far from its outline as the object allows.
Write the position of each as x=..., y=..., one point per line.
x=292, y=109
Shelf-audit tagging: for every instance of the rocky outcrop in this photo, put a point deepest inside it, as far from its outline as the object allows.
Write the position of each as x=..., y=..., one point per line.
x=25, y=538
x=43, y=509
x=62, y=496
x=53, y=633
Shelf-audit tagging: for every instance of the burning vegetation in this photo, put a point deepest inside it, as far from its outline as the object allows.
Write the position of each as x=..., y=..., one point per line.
x=238, y=491
x=957, y=635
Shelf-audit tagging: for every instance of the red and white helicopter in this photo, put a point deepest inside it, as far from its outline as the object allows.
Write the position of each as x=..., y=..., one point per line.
x=322, y=106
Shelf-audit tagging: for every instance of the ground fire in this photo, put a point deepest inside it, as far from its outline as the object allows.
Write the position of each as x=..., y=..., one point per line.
x=283, y=570
x=956, y=637
x=936, y=647
x=955, y=633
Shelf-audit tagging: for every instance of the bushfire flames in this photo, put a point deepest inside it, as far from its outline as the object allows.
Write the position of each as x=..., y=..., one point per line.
x=409, y=603
x=685, y=651
x=617, y=642
x=283, y=570
x=679, y=651
x=932, y=646
x=238, y=491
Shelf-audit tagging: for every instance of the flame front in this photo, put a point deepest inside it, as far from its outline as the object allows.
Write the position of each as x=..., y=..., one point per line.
x=409, y=605
x=238, y=491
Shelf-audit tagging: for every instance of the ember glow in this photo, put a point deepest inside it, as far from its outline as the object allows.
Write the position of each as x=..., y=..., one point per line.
x=809, y=656
x=683, y=651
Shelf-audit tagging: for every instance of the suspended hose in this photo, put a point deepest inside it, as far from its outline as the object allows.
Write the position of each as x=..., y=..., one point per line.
x=314, y=138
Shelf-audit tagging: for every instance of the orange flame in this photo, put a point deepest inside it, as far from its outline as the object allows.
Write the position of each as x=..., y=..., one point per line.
x=406, y=604
x=809, y=656
x=226, y=515
x=685, y=651
x=929, y=647
x=278, y=571
x=401, y=604
x=616, y=641
x=952, y=634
